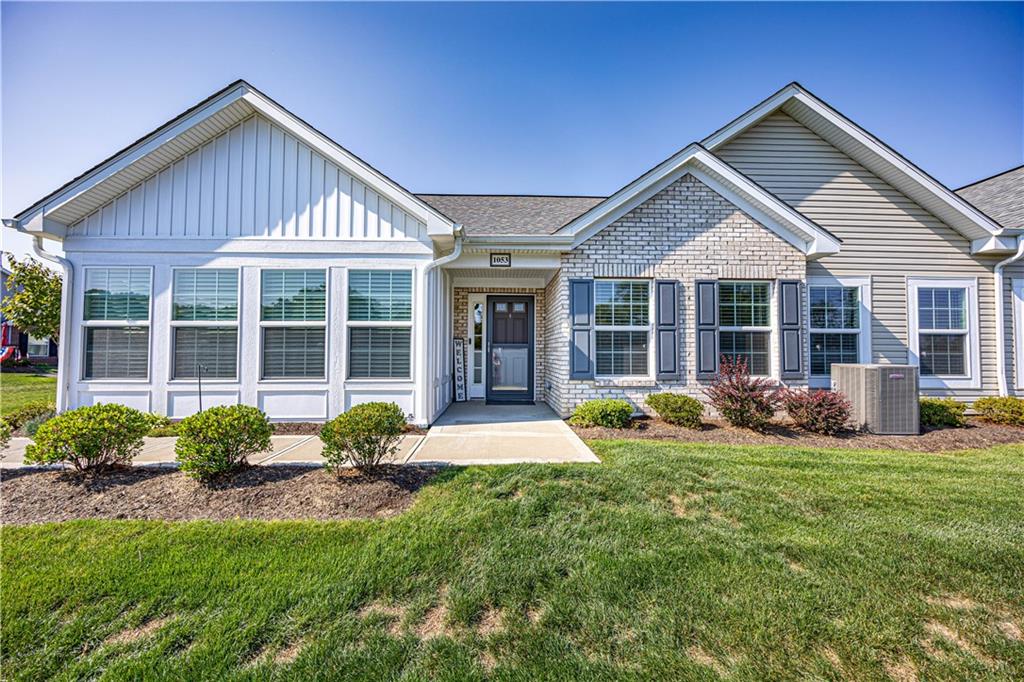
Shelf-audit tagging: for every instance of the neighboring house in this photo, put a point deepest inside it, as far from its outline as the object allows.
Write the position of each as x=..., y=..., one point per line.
x=15, y=343
x=239, y=238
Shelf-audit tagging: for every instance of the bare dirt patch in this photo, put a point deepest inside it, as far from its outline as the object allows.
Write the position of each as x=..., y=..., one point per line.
x=829, y=654
x=435, y=620
x=952, y=601
x=489, y=623
x=265, y=493
x=902, y=670
x=289, y=653
x=938, y=630
x=135, y=634
x=683, y=507
x=381, y=610
x=702, y=657
x=1010, y=630
x=977, y=434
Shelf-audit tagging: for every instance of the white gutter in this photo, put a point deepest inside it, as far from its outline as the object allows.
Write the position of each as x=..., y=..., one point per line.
x=64, y=342
x=1000, y=328
x=424, y=382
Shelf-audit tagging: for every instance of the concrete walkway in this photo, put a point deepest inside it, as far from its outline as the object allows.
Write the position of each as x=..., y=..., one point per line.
x=467, y=433
x=475, y=433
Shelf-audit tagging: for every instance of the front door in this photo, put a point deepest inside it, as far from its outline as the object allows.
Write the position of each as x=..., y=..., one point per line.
x=510, y=349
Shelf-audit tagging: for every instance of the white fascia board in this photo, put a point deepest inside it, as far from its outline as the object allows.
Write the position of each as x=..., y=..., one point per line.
x=767, y=209
x=554, y=242
x=152, y=142
x=437, y=224
x=864, y=140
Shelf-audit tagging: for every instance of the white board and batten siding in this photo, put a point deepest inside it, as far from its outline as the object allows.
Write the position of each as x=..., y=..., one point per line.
x=886, y=236
x=253, y=180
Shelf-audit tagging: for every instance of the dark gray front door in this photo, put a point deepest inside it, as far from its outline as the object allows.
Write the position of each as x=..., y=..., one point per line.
x=509, y=349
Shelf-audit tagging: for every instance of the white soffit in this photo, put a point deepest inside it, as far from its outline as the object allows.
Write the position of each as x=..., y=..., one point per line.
x=871, y=153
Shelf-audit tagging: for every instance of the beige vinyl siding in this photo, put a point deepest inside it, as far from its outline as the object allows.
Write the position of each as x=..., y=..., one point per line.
x=1013, y=274
x=885, y=235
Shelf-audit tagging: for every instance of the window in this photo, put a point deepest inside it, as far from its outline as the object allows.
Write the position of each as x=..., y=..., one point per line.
x=478, y=342
x=744, y=314
x=622, y=328
x=943, y=331
x=293, y=315
x=204, y=324
x=116, y=319
x=38, y=348
x=835, y=326
x=380, y=324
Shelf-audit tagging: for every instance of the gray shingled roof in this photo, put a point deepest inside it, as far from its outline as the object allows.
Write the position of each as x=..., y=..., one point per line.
x=509, y=215
x=1001, y=197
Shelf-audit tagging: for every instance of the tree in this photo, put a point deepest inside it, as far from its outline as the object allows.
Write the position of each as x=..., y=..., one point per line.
x=32, y=301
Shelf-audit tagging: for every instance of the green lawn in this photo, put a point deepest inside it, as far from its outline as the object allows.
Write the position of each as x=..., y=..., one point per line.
x=667, y=561
x=18, y=389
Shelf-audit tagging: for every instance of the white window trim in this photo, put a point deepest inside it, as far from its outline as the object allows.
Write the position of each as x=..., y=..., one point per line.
x=771, y=329
x=400, y=324
x=1018, y=329
x=864, y=342
x=116, y=324
x=972, y=379
x=649, y=328
x=320, y=324
x=235, y=323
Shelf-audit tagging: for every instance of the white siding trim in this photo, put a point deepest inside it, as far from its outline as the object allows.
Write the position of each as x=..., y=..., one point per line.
x=1018, y=329
x=973, y=346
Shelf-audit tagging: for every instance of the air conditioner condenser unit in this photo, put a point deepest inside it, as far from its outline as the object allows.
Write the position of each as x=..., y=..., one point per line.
x=884, y=397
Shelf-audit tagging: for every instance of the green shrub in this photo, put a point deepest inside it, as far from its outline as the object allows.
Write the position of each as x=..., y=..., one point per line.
x=681, y=410
x=32, y=425
x=5, y=433
x=1006, y=410
x=365, y=436
x=28, y=411
x=607, y=412
x=90, y=438
x=162, y=426
x=943, y=413
x=216, y=441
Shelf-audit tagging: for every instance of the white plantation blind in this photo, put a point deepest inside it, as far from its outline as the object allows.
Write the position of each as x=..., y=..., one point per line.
x=380, y=352
x=293, y=352
x=294, y=295
x=117, y=294
x=116, y=352
x=205, y=295
x=215, y=348
x=380, y=295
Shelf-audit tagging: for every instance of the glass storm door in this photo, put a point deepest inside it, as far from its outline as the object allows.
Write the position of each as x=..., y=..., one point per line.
x=510, y=349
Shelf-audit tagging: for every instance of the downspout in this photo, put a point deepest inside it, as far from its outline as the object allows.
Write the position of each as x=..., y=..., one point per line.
x=426, y=386
x=65, y=311
x=1000, y=327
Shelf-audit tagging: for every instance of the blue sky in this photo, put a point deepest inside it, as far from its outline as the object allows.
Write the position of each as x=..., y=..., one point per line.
x=510, y=98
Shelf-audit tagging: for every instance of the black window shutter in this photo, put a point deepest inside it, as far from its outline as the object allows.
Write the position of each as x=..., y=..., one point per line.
x=666, y=327
x=707, y=327
x=581, y=319
x=790, y=324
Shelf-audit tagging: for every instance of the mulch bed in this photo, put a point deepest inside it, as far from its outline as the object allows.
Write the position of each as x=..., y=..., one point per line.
x=977, y=434
x=264, y=493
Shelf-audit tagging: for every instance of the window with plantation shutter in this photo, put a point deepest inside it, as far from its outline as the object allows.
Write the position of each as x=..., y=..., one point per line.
x=380, y=324
x=116, y=317
x=204, y=323
x=293, y=321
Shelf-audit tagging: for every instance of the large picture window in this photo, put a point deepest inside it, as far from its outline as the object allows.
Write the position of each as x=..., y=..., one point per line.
x=116, y=316
x=380, y=324
x=622, y=327
x=293, y=321
x=943, y=331
x=744, y=314
x=204, y=324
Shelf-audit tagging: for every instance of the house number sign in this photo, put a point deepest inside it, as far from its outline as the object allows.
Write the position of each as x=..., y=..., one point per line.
x=501, y=260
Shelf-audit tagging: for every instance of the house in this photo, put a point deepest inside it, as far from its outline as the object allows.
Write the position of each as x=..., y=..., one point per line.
x=16, y=344
x=238, y=242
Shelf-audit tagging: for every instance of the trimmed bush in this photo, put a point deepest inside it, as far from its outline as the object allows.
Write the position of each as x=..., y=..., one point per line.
x=607, y=412
x=216, y=441
x=29, y=411
x=365, y=436
x=741, y=399
x=943, y=413
x=1006, y=410
x=681, y=410
x=826, y=412
x=5, y=433
x=90, y=438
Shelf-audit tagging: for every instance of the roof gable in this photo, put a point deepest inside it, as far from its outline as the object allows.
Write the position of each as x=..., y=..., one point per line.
x=1001, y=197
x=189, y=131
x=870, y=152
x=502, y=214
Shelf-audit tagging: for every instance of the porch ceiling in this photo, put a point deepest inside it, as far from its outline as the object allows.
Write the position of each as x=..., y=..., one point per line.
x=515, y=278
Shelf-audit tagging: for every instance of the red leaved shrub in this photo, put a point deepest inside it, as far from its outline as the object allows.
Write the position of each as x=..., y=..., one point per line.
x=741, y=399
x=826, y=412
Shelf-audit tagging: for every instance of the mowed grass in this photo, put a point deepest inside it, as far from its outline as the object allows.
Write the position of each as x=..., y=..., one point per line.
x=18, y=389
x=666, y=561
